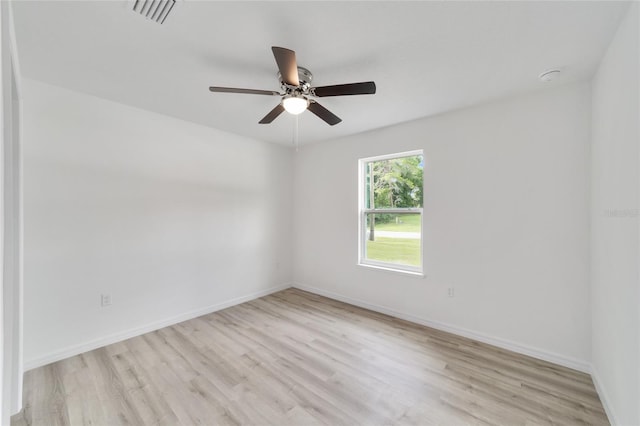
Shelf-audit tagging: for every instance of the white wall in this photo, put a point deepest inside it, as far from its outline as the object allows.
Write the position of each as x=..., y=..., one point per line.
x=615, y=253
x=170, y=218
x=10, y=222
x=505, y=222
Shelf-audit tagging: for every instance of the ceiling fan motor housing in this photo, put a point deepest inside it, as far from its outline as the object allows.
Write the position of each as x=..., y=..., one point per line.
x=304, y=76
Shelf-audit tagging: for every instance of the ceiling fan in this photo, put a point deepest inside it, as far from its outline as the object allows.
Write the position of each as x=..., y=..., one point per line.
x=298, y=94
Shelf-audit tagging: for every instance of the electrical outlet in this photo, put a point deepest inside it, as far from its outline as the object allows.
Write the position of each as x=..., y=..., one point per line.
x=105, y=300
x=450, y=292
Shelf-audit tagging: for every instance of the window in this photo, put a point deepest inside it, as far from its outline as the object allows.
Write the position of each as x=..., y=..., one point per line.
x=391, y=193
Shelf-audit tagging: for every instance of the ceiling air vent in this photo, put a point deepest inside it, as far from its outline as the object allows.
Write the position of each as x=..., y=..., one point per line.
x=156, y=10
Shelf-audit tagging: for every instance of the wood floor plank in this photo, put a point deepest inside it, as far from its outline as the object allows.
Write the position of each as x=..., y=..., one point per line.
x=296, y=358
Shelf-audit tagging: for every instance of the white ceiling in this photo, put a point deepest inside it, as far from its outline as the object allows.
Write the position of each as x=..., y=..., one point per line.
x=425, y=57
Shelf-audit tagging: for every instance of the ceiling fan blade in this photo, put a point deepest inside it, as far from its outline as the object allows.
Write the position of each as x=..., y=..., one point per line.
x=245, y=91
x=324, y=113
x=364, y=88
x=286, y=60
x=273, y=114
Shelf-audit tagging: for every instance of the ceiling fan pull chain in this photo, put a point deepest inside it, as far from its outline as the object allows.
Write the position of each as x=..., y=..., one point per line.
x=295, y=133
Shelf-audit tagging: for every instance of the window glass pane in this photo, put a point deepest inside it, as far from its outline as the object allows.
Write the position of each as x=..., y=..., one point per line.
x=394, y=238
x=396, y=183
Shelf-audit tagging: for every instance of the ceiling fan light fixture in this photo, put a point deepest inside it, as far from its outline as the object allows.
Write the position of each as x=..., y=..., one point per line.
x=295, y=104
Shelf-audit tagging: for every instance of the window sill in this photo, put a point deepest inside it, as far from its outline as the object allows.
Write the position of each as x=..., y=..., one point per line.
x=394, y=270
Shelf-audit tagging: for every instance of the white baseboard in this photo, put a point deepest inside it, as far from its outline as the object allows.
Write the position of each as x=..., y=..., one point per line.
x=565, y=361
x=137, y=331
x=604, y=398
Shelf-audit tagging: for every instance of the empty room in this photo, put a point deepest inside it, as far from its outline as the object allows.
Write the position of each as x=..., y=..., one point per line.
x=320, y=213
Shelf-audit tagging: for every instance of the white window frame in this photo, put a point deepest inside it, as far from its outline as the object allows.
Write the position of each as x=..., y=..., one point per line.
x=363, y=211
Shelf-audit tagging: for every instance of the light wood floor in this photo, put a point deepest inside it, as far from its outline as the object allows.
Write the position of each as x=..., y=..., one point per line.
x=294, y=358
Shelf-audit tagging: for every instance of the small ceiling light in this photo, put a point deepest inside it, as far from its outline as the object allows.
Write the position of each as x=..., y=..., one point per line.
x=295, y=105
x=548, y=76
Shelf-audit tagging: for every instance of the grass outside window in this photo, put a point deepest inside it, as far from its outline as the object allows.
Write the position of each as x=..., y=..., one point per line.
x=396, y=238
